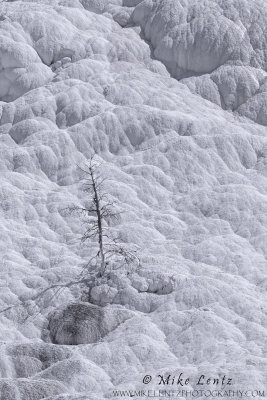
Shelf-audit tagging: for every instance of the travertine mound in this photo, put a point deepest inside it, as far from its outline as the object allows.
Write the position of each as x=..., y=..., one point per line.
x=24, y=389
x=217, y=48
x=161, y=90
x=30, y=358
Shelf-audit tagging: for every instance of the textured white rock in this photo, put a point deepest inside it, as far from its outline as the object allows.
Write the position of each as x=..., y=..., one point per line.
x=216, y=46
x=191, y=176
x=23, y=389
x=195, y=37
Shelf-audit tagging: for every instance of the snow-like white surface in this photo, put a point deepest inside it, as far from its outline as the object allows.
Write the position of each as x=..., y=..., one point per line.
x=77, y=76
x=218, y=48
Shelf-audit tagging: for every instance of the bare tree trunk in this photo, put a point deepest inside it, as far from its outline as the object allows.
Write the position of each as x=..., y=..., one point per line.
x=102, y=208
x=99, y=223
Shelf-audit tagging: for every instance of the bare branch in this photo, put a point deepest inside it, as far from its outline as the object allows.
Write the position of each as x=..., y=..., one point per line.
x=108, y=251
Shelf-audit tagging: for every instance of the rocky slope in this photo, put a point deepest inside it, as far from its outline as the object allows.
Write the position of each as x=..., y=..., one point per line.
x=171, y=96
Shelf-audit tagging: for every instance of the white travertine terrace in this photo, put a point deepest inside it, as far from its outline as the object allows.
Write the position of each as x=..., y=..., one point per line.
x=171, y=95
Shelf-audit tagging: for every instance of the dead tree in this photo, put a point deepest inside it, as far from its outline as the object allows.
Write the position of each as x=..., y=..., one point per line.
x=97, y=217
x=95, y=228
x=110, y=251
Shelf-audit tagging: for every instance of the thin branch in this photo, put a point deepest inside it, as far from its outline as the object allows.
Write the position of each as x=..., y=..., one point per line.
x=45, y=290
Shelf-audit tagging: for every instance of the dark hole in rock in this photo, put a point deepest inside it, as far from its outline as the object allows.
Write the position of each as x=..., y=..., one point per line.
x=80, y=323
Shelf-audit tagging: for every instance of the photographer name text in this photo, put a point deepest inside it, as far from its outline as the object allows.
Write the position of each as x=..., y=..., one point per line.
x=181, y=380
